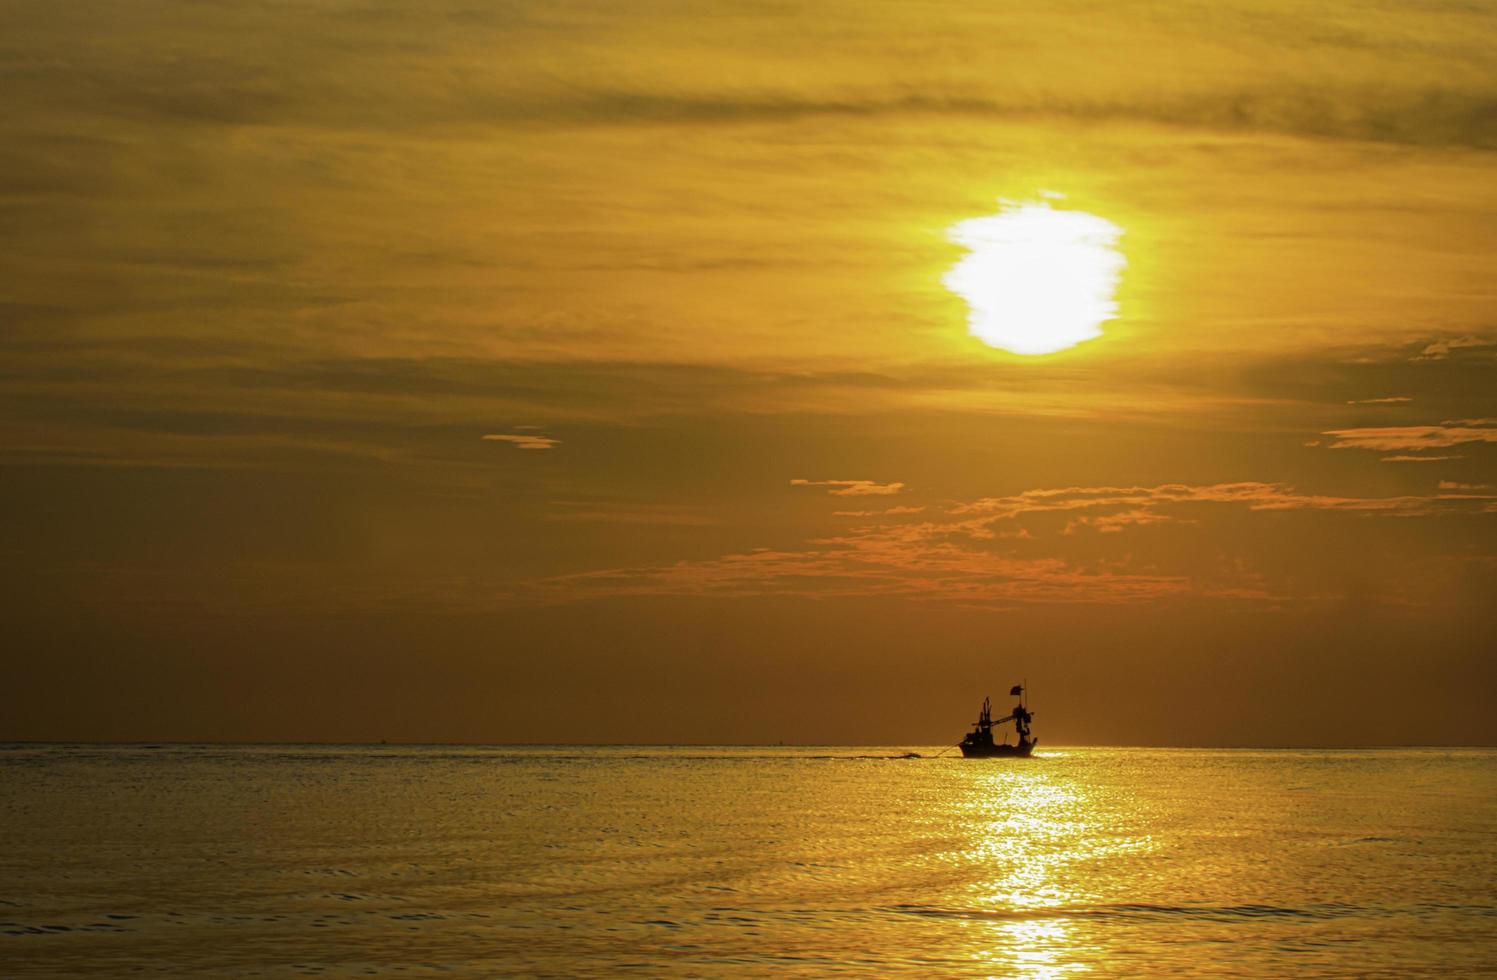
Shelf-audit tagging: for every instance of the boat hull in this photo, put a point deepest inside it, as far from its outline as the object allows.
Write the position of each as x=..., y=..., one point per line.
x=998, y=751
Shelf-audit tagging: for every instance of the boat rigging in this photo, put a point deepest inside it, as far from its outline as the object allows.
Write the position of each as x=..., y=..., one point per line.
x=979, y=744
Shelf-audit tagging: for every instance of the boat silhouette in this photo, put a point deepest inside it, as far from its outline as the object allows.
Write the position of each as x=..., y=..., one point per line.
x=979, y=744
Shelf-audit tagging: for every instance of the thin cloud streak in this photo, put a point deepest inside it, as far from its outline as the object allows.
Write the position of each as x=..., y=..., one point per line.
x=852, y=488
x=520, y=441
x=958, y=558
x=1415, y=437
x=888, y=512
x=1144, y=500
x=1418, y=459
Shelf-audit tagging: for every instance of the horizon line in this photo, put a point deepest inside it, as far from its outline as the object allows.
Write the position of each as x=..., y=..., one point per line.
x=150, y=743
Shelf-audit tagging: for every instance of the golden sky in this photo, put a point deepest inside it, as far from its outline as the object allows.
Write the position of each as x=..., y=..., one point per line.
x=580, y=371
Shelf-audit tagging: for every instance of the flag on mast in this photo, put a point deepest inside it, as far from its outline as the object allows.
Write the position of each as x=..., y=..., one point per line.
x=1018, y=689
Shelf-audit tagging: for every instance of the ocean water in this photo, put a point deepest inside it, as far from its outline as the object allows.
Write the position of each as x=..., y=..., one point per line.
x=221, y=861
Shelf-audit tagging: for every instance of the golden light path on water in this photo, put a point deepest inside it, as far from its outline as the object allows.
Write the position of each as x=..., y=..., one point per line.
x=1039, y=836
x=1037, y=279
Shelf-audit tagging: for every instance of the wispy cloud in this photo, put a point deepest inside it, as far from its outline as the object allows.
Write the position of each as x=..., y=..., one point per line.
x=852, y=488
x=1417, y=459
x=523, y=441
x=1115, y=523
x=1142, y=504
x=1439, y=350
x=888, y=512
x=1391, y=400
x=1415, y=437
x=977, y=553
x=872, y=564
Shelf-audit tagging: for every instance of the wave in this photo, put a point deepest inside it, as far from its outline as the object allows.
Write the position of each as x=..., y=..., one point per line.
x=1200, y=913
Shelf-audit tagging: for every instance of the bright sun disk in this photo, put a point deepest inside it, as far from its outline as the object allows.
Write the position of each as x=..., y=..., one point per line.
x=1036, y=280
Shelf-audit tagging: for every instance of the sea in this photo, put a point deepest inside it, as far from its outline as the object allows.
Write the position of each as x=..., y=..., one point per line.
x=564, y=861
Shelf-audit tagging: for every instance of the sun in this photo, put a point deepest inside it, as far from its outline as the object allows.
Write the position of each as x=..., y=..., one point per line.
x=1036, y=279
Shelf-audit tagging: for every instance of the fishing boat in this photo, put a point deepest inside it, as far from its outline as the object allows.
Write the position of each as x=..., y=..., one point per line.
x=979, y=744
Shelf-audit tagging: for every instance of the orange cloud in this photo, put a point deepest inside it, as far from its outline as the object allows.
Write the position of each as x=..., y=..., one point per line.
x=1143, y=500
x=1439, y=350
x=852, y=488
x=1416, y=459
x=524, y=441
x=959, y=557
x=1416, y=437
x=880, y=565
x=891, y=511
x=1114, y=523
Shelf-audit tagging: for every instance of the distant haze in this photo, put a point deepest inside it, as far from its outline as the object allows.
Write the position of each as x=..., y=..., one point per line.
x=580, y=372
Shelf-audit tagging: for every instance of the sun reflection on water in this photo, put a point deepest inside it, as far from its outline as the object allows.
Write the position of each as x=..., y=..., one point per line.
x=1033, y=840
x=1034, y=948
